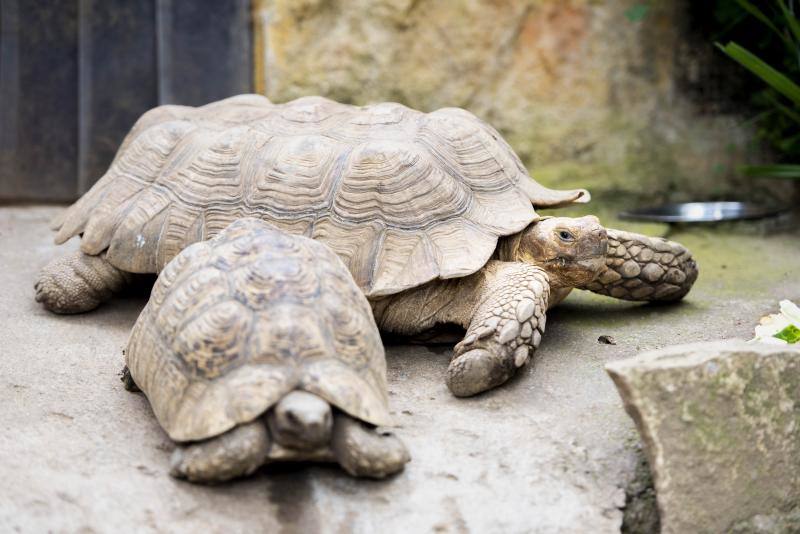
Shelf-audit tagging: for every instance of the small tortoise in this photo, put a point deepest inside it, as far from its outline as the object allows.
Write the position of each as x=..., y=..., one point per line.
x=432, y=213
x=247, y=342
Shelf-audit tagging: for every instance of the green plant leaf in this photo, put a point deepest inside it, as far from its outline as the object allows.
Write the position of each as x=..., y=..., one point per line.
x=786, y=110
x=754, y=64
x=789, y=144
x=786, y=171
x=761, y=116
x=757, y=13
x=794, y=25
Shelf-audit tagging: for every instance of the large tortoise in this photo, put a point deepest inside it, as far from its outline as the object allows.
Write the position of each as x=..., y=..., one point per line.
x=247, y=342
x=432, y=213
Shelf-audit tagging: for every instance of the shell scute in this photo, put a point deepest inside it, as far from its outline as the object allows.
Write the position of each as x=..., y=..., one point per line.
x=261, y=283
x=214, y=340
x=296, y=174
x=383, y=179
x=188, y=297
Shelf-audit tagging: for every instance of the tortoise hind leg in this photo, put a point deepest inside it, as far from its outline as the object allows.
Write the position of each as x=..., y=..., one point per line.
x=362, y=451
x=235, y=453
x=643, y=268
x=78, y=282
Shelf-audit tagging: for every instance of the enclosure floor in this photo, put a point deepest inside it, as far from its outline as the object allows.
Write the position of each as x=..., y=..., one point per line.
x=549, y=452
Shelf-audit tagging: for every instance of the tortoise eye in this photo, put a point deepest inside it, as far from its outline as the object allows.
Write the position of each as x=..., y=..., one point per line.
x=566, y=236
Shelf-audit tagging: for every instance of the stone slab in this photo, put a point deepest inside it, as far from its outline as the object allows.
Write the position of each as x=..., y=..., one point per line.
x=721, y=426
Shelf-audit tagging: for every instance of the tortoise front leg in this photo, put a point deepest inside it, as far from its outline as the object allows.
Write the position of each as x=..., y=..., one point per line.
x=645, y=268
x=364, y=451
x=78, y=282
x=505, y=328
x=502, y=306
x=237, y=452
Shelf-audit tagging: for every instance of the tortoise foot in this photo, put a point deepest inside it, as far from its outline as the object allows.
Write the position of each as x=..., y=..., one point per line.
x=505, y=330
x=236, y=453
x=363, y=451
x=78, y=283
x=479, y=370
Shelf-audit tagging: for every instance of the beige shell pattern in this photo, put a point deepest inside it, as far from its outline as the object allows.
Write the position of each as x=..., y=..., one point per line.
x=403, y=197
x=236, y=322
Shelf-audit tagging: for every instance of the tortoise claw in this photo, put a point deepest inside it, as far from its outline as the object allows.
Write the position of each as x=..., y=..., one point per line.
x=478, y=370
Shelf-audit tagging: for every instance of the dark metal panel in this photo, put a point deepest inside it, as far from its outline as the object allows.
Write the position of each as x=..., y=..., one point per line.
x=204, y=50
x=76, y=74
x=38, y=94
x=117, y=50
x=9, y=90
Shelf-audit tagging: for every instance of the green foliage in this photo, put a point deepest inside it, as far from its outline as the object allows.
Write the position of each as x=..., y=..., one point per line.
x=771, y=52
x=790, y=334
x=785, y=170
x=637, y=12
x=754, y=64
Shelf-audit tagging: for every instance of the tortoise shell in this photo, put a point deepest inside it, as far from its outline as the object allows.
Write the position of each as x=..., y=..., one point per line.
x=403, y=197
x=236, y=322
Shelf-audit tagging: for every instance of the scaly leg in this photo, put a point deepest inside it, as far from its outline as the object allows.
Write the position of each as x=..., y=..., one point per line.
x=504, y=330
x=362, y=451
x=645, y=268
x=237, y=452
x=502, y=306
x=78, y=283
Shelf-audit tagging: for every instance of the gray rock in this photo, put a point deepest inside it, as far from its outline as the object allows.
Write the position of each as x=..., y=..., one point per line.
x=721, y=426
x=774, y=523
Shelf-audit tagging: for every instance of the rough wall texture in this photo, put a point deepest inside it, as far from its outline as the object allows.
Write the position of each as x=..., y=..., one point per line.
x=586, y=93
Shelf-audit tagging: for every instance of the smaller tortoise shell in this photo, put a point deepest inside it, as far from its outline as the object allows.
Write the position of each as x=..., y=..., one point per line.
x=235, y=323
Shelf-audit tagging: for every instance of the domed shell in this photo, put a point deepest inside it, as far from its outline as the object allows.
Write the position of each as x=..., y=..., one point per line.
x=403, y=197
x=235, y=323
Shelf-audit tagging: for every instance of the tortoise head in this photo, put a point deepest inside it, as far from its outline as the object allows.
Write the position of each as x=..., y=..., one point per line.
x=571, y=250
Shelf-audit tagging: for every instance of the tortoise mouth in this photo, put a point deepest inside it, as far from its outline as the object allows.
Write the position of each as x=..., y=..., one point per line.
x=588, y=260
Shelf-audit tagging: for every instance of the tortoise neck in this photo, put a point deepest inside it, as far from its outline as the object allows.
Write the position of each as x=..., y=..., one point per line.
x=507, y=247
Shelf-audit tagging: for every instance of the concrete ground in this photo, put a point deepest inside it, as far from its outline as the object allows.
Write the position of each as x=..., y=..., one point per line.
x=551, y=451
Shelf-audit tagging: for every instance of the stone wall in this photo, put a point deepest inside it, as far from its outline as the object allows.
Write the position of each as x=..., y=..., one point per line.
x=587, y=93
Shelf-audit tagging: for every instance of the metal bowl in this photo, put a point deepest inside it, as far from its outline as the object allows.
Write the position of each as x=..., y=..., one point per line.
x=695, y=212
